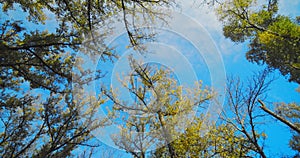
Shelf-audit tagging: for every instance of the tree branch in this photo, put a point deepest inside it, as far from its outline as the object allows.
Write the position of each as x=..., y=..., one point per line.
x=291, y=125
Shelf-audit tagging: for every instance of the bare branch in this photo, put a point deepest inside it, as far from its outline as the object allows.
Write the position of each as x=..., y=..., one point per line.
x=291, y=125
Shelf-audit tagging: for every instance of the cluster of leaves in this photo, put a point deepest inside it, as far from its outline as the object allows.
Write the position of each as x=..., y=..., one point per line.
x=220, y=141
x=273, y=38
x=158, y=111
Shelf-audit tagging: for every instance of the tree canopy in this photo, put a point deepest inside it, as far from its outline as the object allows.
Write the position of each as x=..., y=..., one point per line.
x=273, y=38
x=45, y=112
x=39, y=114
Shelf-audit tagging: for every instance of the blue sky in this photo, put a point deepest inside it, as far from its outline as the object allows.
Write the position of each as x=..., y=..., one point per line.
x=232, y=57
